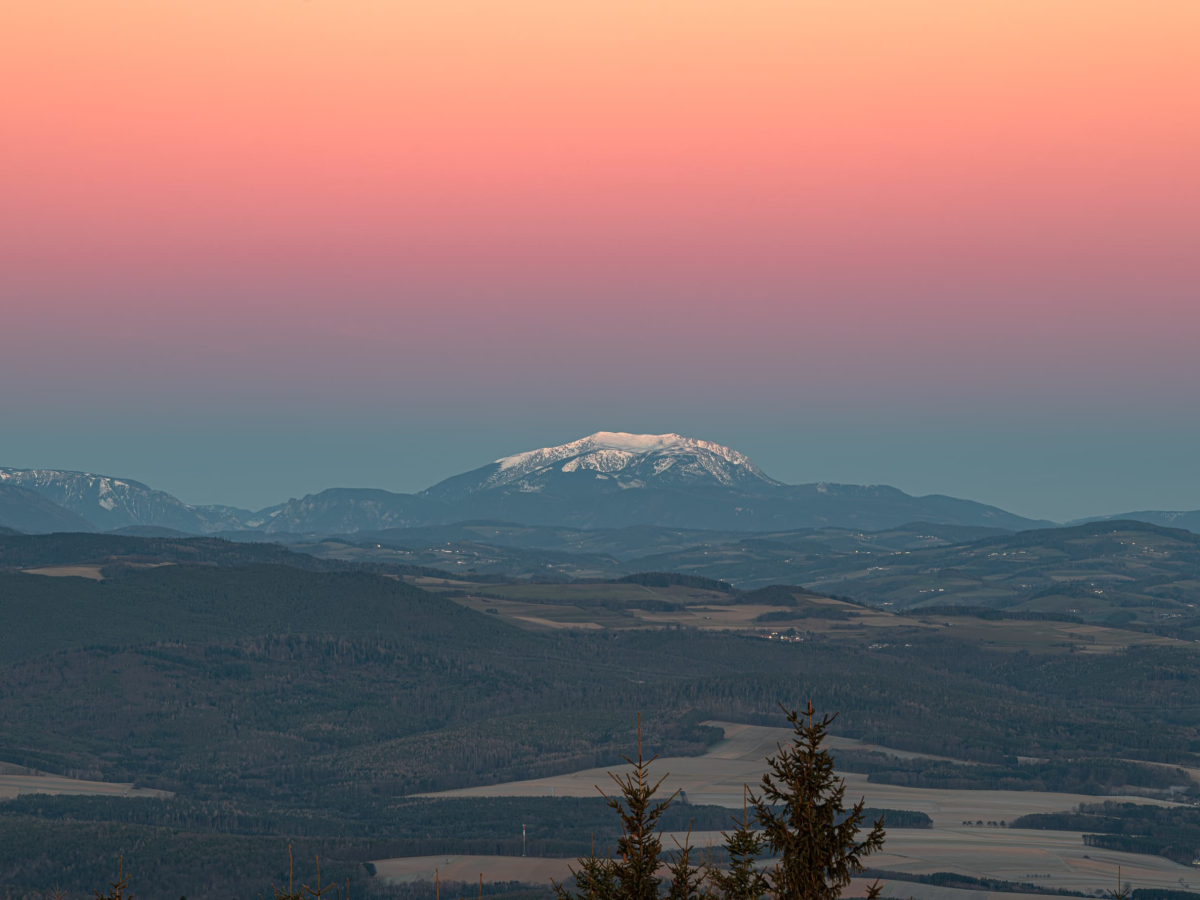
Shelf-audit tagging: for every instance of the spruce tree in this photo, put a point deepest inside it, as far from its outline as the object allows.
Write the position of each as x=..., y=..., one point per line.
x=686, y=879
x=632, y=874
x=640, y=843
x=804, y=819
x=743, y=880
x=594, y=879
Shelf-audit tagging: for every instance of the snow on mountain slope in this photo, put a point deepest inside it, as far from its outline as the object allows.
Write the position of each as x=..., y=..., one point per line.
x=627, y=461
x=110, y=503
x=605, y=480
x=614, y=479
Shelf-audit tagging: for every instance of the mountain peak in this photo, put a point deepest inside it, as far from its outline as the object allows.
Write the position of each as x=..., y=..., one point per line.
x=612, y=461
x=624, y=443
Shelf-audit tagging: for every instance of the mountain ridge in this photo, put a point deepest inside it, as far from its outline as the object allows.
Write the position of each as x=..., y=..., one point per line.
x=604, y=480
x=1186, y=519
x=26, y=510
x=109, y=502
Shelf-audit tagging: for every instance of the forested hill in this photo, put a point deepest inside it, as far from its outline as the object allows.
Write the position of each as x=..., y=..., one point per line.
x=117, y=551
x=26, y=551
x=207, y=604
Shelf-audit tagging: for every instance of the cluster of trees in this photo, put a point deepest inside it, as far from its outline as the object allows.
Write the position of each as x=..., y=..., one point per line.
x=1162, y=894
x=1075, y=776
x=673, y=579
x=1169, y=831
x=995, y=885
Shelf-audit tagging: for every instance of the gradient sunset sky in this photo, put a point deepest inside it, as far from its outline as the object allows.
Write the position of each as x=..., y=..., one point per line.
x=251, y=249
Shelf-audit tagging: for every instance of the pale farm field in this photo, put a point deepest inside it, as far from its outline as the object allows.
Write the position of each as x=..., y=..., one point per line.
x=92, y=572
x=1053, y=859
x=1050, y=859
x=719, y=775
x=15, y=785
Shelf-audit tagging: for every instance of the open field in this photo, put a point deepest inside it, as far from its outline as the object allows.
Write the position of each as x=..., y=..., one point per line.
x=612, y=606
x=92, y=572
x=1053, y=859
x=1049, y=859
x=14, y=785
x=719, y=775
x=1056, y=859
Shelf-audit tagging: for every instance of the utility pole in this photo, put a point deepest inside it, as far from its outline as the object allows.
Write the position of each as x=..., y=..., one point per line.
x=522, y=839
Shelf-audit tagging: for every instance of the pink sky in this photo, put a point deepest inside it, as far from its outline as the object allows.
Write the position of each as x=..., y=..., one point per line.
x=221, y=206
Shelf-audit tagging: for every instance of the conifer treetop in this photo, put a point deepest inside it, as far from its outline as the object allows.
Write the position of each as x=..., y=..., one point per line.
x=801, y=810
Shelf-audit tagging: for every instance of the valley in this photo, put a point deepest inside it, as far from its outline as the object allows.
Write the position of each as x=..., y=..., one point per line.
x=246, y=695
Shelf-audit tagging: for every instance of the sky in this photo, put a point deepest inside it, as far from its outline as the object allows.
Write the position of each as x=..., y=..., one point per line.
x=251, y=249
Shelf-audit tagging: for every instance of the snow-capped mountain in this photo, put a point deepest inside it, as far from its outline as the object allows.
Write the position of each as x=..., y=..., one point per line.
x=625, y=461
x=613, y=479
x=109, y=503
x=607, y=479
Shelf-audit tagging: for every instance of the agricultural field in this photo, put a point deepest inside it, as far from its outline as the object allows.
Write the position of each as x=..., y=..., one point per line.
x=966, y=837
x=720, y=775
x=92, y=572
x=16, y=781
x=590, y=606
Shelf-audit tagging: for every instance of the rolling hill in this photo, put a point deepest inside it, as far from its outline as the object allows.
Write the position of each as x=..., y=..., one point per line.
x=1189, y=520
x=1105, y=572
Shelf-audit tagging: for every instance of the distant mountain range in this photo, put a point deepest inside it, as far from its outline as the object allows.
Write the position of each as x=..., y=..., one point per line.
x=1186, y=520
x=105, y=503
x=606, y=480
